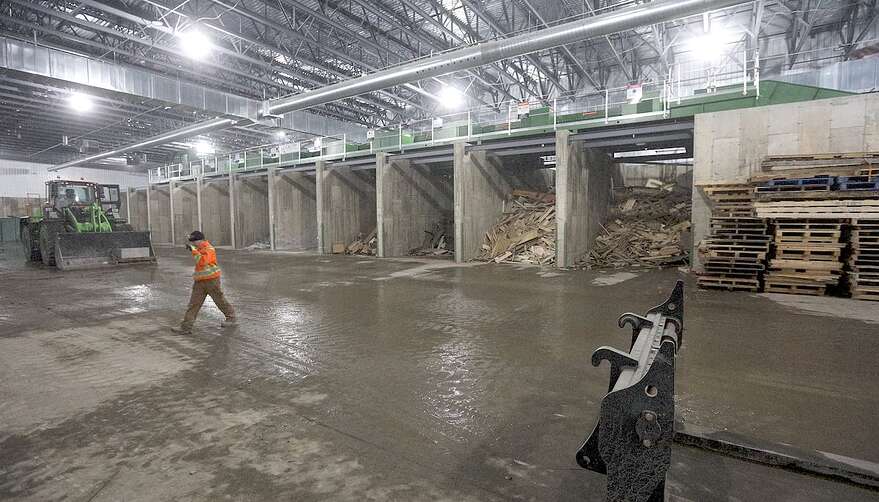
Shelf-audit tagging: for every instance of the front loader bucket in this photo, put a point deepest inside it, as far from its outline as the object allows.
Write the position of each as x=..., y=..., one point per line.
x=92, y=249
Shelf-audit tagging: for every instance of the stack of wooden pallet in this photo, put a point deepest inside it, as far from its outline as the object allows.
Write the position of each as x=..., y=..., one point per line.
x=807, y=256
x=864, y=260
x=730, y=200
x=734, y=254
x=821, y=209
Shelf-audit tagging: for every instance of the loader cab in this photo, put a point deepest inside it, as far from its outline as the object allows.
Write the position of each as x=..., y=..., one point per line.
x=110, y=201
x=73, y=195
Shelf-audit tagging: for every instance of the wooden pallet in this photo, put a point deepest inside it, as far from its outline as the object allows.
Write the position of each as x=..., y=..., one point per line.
x=819, y=209
x=865, y=295
x=795, y=289
x=806, y=236
x=731, y=284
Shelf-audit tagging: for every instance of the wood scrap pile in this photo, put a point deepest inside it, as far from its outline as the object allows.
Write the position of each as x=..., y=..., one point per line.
x=644, y=230
x=526, y=232
x=366, y=245
x=438, y=241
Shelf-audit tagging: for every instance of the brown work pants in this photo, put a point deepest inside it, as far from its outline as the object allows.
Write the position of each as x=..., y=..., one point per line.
x=200, y=291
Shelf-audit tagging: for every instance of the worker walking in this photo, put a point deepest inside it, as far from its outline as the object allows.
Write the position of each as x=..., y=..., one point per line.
x=207, y=283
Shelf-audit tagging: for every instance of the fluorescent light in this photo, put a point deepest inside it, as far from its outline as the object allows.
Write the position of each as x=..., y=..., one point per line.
x=80, y=102
x=195, y=44
x=712, y=45
x=650, y=153
x=451, y=97
x=203, y=148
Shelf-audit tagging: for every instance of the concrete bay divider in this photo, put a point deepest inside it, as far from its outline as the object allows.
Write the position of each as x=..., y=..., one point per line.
x=294, y=210
x=399, y=196
x=346, y=204
x=411, y=198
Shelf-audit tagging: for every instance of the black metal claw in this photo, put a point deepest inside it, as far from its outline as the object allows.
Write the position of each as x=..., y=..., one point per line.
x=637, y=322
x=617, y=359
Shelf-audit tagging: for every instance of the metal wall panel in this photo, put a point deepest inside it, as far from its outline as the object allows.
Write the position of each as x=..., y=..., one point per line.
x=68, y=67
x=192, y=95
x=166, y=88
x=214, y=101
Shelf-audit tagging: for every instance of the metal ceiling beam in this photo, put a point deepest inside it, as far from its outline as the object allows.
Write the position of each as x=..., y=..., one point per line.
x=470, y=57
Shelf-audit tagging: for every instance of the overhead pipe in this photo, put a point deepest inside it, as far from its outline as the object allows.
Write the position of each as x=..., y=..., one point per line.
x=461, y=59
x=193, y=130
x=496, y=50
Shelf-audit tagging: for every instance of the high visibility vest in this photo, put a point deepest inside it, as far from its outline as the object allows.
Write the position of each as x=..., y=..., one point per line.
x=206, y=267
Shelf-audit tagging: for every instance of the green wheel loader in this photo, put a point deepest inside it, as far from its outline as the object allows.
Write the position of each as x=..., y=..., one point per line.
x=78, y=226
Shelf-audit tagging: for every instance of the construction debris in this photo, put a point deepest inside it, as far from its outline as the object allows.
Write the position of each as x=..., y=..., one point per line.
x=439, y=241
x=645, y=230
x=366, y=245
x=259, y=245
x=526, y=232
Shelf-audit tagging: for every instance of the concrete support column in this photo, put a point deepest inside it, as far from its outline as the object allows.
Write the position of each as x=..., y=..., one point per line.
x=149, y=221
x=198, y=202
x=128, y=205
x=233, y=206
x=481, y=188
x=382, y=164
x=171, y=206
x=320, y=188
x=583, y=196
x=271, y=195
x=409, y=201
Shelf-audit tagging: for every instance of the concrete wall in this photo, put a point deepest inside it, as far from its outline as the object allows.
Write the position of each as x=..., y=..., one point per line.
x=16, y=206
x=215, y=211
x=583, y=195
x=160, y=214
x=480, y=191
x=20, y=179
x=185, y=211
x=137, y=201
x=251, y=210
x=346, y=204
x=410, y=200
x=729, y=146
x=295, y=208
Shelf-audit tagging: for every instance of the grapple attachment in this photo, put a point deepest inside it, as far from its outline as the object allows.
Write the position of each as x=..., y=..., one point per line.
x=96, y=249
x=632, y=441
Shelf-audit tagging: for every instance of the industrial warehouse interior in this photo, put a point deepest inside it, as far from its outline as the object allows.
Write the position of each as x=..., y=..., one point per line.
x=439, y=250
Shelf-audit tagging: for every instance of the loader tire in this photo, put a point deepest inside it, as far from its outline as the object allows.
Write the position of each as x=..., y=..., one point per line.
x=48, y=231
x=31, y=244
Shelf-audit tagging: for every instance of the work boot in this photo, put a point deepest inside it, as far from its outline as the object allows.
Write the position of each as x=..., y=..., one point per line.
x=177, y=330
x=229, y=323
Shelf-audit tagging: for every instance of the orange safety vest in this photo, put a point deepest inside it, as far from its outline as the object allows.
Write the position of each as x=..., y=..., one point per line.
x=205, y=262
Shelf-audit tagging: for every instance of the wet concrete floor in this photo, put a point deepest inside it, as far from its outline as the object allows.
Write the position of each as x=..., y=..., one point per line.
x=366, y=379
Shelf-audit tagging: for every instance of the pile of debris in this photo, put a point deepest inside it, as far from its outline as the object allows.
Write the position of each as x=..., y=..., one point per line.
x=644, y=229
x=526, y=232
x=366, y=245
x=439, y=241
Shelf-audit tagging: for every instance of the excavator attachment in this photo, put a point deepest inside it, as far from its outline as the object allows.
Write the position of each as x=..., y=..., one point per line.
x=100, y=249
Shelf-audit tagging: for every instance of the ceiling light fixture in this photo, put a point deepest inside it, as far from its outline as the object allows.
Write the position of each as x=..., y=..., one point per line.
x=80, y=103
x=713, y=45
x=203, y=148
x=451, y=97
x=195, y=44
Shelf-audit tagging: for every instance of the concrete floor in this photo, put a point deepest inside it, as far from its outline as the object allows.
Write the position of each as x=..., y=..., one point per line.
x=367, y=379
